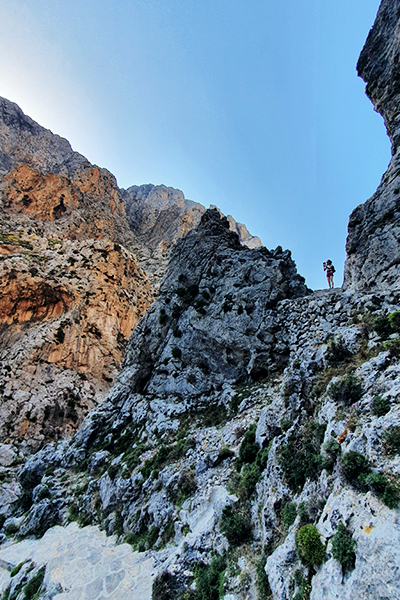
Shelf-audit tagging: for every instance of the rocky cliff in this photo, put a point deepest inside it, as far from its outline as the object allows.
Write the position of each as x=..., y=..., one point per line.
x=373, y=255
x=70, y=289
x=249, y=448
x=71, y=286
x=159, y=216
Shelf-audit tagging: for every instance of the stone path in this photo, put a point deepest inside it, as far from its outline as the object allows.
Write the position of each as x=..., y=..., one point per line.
x=86, y=563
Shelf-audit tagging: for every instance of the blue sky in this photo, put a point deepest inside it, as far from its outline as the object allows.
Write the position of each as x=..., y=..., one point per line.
x=255, y=107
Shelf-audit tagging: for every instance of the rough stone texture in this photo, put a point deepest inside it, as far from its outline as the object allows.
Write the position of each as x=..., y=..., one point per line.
x=22, y=140
x=82, y=564
x=67, y=309
x=214, y=322
x=70, y=289
x=116, y=489
x=373, y=255
x=159, y=216
x=71, y=286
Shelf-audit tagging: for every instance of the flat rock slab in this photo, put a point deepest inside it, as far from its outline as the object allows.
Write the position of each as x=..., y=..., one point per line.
x=86, y=564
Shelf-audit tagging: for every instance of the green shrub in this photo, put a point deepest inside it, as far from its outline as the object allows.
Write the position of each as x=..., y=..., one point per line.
x=391, y=440
x=337, y=353
x=289, y=514
x=393, y=346
x=210, y=579
x=255, y=461
x=10, y=529
x=358, y=472
x=394, y=321
x=300, y=457
x=347, y=391
x=303, y=514
x=184, y=487
x=382, y=326
x=285, y=423
x=262, y=583
x=6, y=593
x=176, y=352
x=331, y=450
x=223, y=454
x=343, y=548
x=152, y=536
x=309, y=545
x=303, y=585
x=381, y=486
x=355, y=468
x=249, y=448
x=16, y=569
x=163, y=587
x=249, y=477
x=236, y=525
x=380, y=406
x=176, y=331
x=34, y=584
x=167, y=455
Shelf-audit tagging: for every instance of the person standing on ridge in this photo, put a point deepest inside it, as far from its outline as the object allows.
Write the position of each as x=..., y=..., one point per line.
x=330, y=269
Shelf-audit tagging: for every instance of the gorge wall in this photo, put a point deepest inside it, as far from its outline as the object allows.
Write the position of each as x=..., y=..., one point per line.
x=80, y=261
x=249, y=446
x=373, y=256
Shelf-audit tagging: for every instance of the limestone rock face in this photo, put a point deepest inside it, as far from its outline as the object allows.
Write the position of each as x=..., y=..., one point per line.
x=215, y=320
x=22, y=140
x=159, y=216
x=70, y=290
x=66, y=313
x=373, y=255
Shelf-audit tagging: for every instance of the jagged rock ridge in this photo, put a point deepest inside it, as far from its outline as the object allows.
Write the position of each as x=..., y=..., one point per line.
x=71, y=287
x=372, y=246
x=262, y=463
x=159, y=216
x=255, y=427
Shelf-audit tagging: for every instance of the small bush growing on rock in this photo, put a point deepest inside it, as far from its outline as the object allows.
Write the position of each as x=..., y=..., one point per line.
x=164, y=587
x=380, y=406
x=10, y=529
x=331, y=450
x=355, y=467
x=210, y=579
x=391, y=440
x=236, y=525
x=251, y=463
x=289, y=514
x=16, y=569
x=249, y=448
x=358, y=472
x=176, y=352
x=262, y=583
x=223, y=454
x=309, y=545
x=176, y=331
x=337, y=353
x=393, y=346
x=343, y=548
x=34, y=584
x=300, y=457
x=184, y=488
x=382, y=326
x=347, y=391
x=394, y=321
x=381, y=486
x=303, y=585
